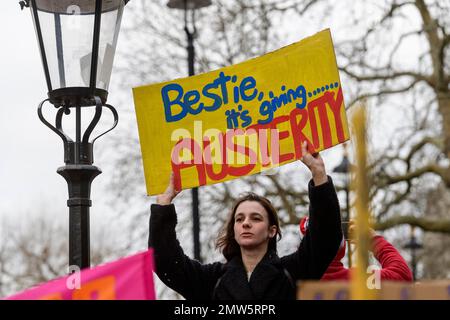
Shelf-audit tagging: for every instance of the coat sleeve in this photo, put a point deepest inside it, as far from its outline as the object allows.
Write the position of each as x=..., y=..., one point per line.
x=186, y=276
x=394, y=267
x=321, y=243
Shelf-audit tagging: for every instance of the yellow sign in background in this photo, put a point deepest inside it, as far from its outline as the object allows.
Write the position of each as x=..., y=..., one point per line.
x=241, y=119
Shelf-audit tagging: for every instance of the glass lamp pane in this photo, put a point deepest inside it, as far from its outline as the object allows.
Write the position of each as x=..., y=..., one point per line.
x=67, y=42
x=67, y=28
x=109, y=32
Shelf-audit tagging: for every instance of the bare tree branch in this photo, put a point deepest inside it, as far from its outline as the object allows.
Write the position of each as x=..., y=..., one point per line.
x=392, y=76
x=441, y=226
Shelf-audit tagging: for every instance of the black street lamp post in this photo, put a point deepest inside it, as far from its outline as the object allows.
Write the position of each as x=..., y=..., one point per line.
x=192, y=5
x=77, y=41
x=413, y=245
x=344, y=169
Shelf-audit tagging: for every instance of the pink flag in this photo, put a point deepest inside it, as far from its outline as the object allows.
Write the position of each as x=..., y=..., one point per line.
x=129, y=278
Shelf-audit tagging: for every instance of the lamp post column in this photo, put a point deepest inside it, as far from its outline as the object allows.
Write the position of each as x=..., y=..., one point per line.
x=413, y=262
x=79, y=174
x=192, y=5
x=344, y=169
x=79, y=179
x=413, y=245
x=195, y=200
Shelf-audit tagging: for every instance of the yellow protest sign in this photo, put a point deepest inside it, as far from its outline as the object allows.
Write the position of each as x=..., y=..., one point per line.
x=241, y=119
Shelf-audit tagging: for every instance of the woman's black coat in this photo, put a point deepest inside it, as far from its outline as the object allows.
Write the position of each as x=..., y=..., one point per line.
x=272, y=278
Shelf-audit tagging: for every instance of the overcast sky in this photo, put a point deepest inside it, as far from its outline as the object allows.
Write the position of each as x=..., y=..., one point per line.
x=29, y=152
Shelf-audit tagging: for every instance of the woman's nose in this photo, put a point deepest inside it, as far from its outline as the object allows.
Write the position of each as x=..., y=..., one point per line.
x=246, y=224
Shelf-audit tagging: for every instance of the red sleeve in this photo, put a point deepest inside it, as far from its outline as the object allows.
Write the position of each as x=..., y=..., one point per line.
x=394, y=267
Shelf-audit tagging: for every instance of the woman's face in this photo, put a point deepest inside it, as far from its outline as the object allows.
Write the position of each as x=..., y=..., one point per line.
x=251, y=225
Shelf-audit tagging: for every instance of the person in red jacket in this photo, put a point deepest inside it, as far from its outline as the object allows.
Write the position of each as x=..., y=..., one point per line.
x=393, y=266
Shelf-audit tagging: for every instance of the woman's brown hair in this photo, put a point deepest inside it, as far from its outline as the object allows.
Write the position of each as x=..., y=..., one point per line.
x=226, y=241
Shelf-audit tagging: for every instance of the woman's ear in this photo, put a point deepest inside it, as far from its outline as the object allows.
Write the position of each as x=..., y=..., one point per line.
x=272, y=231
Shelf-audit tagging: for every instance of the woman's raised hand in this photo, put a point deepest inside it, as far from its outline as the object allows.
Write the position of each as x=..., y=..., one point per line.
x=315, y=164
x=170, y=193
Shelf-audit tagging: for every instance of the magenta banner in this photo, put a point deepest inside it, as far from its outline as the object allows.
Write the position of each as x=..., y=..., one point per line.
x=129, y=278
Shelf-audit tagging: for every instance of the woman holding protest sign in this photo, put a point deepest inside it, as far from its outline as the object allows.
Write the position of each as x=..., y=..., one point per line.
x=248, y=242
